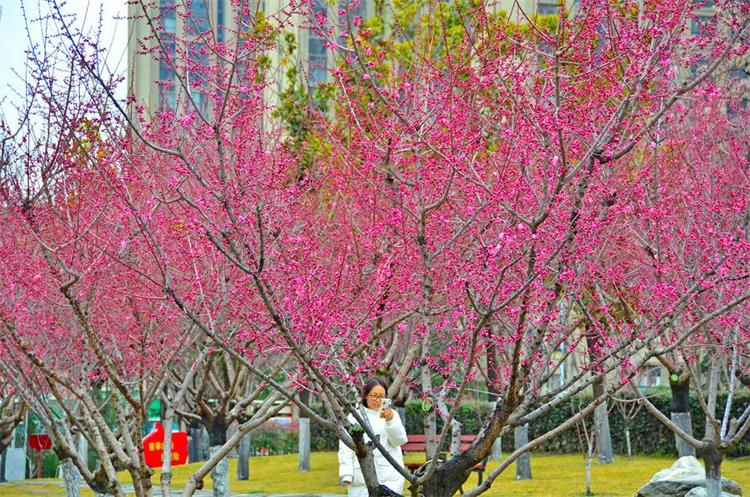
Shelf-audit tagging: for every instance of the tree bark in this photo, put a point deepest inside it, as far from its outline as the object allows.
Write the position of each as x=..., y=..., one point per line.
x=217, y=434
x=712, y=456
x=448, y=477
x=197, y=447
x=712, y=459
x=589, y=457
x=684, y=422
x=680, y=388
x=220, y=475
x=679, y=406
x=455, y=438
x=627, y=442
x=601, y=414
x=2, y=464
x=71, y=478
x=243, y=458
x=304, y=445
x=366, y=463
x=445, y=481
x=430, y=420
x=603, y=435
x=166, y=465
x=493, y=366
x=523, y=464
x=304, y=434
x=497, y=449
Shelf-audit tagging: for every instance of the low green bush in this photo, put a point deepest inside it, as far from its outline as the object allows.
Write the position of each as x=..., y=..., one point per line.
x=647, y=435
x=274, y=439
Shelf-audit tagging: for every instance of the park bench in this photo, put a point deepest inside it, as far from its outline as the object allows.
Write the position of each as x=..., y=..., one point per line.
x=416, y=443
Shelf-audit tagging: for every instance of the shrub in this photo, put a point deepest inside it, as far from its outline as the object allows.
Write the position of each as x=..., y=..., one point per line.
x=647, y=435
x=274, y=438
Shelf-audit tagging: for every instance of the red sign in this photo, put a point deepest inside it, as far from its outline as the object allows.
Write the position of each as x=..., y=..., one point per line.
x=153, y=447
x=40, y=442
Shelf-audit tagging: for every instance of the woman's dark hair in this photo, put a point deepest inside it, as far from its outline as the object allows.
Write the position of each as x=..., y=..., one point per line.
x=369, y=385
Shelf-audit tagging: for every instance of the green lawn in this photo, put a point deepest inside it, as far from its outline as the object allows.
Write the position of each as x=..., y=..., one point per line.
x=554, y=476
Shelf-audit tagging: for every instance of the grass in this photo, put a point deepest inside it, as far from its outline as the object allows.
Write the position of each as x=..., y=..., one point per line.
x=553, y=476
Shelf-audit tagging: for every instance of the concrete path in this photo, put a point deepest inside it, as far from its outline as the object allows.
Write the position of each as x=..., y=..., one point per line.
x=156, y=492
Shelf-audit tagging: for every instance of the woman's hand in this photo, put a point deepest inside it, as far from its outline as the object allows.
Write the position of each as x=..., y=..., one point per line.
x=387, y=414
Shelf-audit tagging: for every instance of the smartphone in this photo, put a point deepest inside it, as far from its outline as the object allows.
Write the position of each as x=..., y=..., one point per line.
x=386, y=404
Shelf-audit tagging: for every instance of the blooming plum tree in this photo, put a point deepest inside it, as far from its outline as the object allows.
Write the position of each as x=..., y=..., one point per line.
x=478, y=185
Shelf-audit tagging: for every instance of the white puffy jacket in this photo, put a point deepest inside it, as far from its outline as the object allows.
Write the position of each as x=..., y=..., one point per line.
x=392, y=436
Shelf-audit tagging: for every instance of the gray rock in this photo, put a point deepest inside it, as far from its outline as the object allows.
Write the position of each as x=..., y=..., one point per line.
x=701, y=492
x=685, y=468
x=683, y=476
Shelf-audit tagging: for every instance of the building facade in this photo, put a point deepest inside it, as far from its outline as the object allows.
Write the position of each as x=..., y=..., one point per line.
x=153, y=80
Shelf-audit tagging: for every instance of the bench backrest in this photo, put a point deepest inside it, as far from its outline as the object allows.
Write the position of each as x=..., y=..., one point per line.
x=417, y=443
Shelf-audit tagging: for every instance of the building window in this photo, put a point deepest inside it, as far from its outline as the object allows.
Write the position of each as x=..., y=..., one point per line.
x=349, y=14
x=547, y=9
x=168, y=15
x=167, y=79
x=168, y=99
x=198, y=22
x=318, y=60
x=220, y=21
x=317, y=55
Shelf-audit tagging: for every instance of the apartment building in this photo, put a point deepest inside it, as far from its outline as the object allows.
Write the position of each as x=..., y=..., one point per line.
x=154, y=83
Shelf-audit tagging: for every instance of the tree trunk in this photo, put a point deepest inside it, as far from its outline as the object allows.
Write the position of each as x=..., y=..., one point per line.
x=304, y=445
x=449, y=476
x=493, y=394
x=2, y=464
x=220, y=475
x=497, y=449
x=601, y=414
x=445, y=481
x=366, y=464
x=243, y=458
x=684, y=422
x=165, y=479
x=197, y=448
x=430, y=420
x=589, y=457
x=603, y=435
x=627, y=442
x=71, y=478
x=217, y=434
x=679, y=406
x=523, y=463
x=455, y=438
x=680, y=401
x=493, y=366
x=166, y=465
x=712, y=459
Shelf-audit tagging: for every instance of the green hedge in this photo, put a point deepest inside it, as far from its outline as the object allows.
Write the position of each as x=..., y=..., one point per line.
x=647, y=435
x=469, y=414
x=271, y=439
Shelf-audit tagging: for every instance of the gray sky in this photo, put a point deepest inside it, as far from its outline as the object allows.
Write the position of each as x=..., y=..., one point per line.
x=14, y=39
